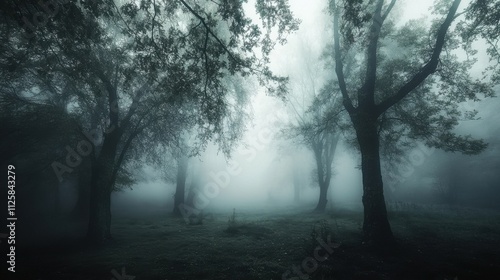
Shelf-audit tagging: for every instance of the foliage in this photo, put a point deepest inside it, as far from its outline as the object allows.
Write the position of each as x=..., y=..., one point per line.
x=431, y=113
x=149, y=69
x=320, y=230
x=481, y=21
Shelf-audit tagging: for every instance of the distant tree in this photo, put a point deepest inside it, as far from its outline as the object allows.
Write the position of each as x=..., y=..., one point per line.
x=181, y=156
x=407, y=85
x=315, y=117
x=318, y=129
x=298, y=180
x=180, y=189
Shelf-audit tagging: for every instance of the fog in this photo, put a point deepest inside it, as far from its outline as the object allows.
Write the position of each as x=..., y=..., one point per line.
x=244, y=139
x=257, y=175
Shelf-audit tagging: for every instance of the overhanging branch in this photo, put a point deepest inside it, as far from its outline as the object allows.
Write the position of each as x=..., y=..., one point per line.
x=209, y=30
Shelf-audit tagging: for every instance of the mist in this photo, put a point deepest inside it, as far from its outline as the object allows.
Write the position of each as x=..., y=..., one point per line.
x=250, y=140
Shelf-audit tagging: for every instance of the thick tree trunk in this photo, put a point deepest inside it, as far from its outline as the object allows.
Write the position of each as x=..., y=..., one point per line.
x=99, y=228
x=81, y=209
x=180, y=191
x=376, y=228
x=57, y=201
x=323, y=191
x=100, y=212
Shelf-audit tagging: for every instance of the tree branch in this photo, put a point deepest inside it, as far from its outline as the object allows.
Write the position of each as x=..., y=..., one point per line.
x=388, y=11
x=208, y=29
x=112, y=94
x=135, y=102
x=338, y=62
x=429, y=68
x=121, y=157
x=366, y=94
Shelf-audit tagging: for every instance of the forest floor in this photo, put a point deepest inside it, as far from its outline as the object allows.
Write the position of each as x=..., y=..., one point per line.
x=434, y=243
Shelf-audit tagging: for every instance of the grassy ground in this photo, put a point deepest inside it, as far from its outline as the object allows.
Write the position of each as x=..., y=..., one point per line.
x=434, y=243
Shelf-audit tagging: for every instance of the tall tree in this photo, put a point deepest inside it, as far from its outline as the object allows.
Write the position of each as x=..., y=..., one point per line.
x=131, y=65
x=399, y=88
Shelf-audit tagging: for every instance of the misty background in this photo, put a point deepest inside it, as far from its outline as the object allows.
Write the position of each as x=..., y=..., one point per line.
x=196, y=130
x=266, y=165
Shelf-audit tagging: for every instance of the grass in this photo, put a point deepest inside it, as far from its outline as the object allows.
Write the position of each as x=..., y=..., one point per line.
x=434, y=244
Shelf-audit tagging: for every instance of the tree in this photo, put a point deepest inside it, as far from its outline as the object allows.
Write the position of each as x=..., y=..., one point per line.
x=181, y=157
x=180, y=189
x=298, y=180
x=318, y=129
x=324, y=145
x=315, y=117
x=481, y=21
x=131, y=65
x=399, y=88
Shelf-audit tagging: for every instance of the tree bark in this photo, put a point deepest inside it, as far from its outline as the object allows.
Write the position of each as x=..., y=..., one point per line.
x=376, y=227
x=99, y=228
x=57, y=201
x=323, y=191
x=81, y=210
x=180, y=191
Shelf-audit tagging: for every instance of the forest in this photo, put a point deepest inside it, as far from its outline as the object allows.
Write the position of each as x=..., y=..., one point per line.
x=250, y=139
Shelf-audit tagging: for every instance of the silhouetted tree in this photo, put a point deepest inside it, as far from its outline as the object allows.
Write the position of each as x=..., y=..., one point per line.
x=131, y=65
x=395, y=90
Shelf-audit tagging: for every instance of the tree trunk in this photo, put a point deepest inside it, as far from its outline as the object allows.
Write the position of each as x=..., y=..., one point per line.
x=81, y=210
x=376, y=228
x=323, y=191
x=99, y=229
x=193, y=190
x=182, y=165
x=57, y=201
x=296, y=184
